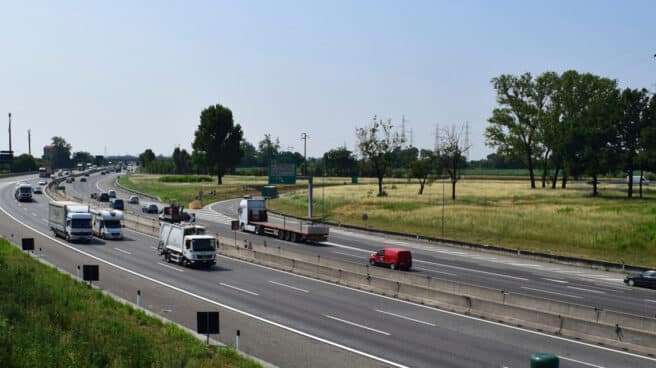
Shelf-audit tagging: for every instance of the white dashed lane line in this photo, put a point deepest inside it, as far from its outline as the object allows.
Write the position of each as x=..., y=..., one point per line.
x=357, y=325
x=289, y=286
x=239, y=289
x=552, y=292
x=405, y=317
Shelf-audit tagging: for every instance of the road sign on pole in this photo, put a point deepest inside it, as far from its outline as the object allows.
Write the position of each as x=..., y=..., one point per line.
x=282, y=173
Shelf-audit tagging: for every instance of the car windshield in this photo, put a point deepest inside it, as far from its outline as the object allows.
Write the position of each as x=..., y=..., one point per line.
x=204, y=244
x=25, y=190
x=649, y=274
x=112, y=224
x=81, y=223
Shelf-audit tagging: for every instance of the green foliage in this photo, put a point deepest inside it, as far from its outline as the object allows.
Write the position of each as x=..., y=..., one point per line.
x=60, y=153
x=49, y=320
x=185, y=179
x=24, y=163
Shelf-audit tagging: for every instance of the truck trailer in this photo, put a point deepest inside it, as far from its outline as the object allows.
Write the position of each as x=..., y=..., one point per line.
x=107, y=224
x=186, y=244
x=253, y=217
x=70, y=220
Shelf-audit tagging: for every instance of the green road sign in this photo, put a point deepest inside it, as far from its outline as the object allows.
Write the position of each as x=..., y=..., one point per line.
x=282, y=173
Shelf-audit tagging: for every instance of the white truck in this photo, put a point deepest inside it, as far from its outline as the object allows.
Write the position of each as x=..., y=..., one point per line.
x=107, y=224
x=70, y=220
x=253, y=217
x=23, y=192
x=186, y=244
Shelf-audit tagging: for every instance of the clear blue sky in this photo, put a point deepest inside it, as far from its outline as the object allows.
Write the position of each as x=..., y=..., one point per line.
x=135, y=75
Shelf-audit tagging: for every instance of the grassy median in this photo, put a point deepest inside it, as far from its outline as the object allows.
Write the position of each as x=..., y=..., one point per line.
x=47, y=319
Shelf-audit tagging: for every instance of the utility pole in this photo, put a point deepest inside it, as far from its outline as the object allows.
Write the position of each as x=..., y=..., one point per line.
x=10, y=132
x=304, y=137
x=29, y=142
x=403, y=129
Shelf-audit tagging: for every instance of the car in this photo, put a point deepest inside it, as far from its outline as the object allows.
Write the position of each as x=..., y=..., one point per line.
x=102, y=173
x=43, y=182
x=69, y=179
x=644, y=279
x=83, y=179
x=37, y=190
x=133, y=199
x=93, y=195
x=395, y=258
x=116, y=203
x=111, y=194
x=103, y=197
x=149, y=208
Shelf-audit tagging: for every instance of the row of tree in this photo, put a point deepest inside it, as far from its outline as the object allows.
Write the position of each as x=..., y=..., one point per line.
x=573, y=125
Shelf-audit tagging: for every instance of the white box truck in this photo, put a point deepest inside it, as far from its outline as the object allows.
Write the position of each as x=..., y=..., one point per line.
x=253, y=217
x=186, y=244
x=107, y=224
x=23, y=192
x=70, y=220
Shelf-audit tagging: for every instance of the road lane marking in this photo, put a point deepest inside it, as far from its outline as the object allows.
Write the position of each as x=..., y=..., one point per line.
x=171, y=267
x=588, y=290
x=405, y=317
x=552, y=292
x=431, y=270
x=650, y=300
x=357, y=325
x=240, y=289
x=473, y=270
x=153, y=247
x=347, y=254
x=581, y=362
x=302, y=333
x=33, y=214
x=122, y=251
x=558, y=281
x=288, y=286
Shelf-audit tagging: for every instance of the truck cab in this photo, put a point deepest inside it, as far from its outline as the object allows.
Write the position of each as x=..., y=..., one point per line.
x=251, y=209
x=187, y=244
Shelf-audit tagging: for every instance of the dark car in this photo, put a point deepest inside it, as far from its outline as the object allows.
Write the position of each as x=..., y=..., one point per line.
x=83, y=179
x=395, y=258
x=645, y=279
x=103, y=197
x=116, y=203
x=149, y=208
x=93, y=195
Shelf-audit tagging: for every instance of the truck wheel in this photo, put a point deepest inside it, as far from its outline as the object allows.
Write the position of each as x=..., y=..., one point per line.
x=372, y=262
x=281, y=235
x=167, y=258
x=294, y=238
x=241, y=227
x=393, y=266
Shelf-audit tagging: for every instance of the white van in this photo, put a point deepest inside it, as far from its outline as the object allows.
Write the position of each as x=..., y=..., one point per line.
x=637, y=179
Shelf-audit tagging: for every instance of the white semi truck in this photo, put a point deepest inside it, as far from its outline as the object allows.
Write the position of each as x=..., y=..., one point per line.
x=107, y=224
x=186, y=244
x=70, y=220
x=23, y=192
x=253, y=217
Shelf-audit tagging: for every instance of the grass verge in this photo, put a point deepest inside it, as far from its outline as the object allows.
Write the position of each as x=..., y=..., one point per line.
x=47, y=319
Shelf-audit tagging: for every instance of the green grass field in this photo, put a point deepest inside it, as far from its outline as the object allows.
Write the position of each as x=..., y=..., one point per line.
x=47, y=319
x=505, y=213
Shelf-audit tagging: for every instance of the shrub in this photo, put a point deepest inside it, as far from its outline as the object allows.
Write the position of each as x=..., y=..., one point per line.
x=186, y=179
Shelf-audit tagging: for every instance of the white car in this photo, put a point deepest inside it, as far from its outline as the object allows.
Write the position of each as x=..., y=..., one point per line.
x=133, y=199
x=37, y=190
x=42, y=182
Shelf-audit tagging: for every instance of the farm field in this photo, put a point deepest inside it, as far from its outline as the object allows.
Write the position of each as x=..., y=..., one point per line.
x=47, y=319
x=503, y=213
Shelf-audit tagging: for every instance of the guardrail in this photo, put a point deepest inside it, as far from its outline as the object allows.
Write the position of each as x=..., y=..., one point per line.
x=158, y=199
x=596, y=325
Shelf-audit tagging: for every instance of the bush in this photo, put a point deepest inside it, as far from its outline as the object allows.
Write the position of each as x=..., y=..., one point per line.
x=186, y=179
x=252, y=171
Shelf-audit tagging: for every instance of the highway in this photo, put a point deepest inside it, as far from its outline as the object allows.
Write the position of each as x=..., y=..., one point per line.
x=566, y=283
x=396, y=333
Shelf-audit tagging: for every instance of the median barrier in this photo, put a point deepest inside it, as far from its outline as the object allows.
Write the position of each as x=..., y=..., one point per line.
x=352, y=279
x=271, y=259
x=433, y=298
x=639, y=323
x=316, y=271
x=460, y=288
x=583, y=312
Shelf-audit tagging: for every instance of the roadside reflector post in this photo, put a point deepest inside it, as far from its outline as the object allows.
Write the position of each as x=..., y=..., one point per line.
x=237, y=340
x=138, y=298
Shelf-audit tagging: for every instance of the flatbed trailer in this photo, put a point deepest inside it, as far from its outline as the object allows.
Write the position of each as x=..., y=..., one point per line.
x=304, y=233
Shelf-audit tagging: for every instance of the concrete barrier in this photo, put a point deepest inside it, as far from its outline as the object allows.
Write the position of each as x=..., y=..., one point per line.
x=639, y=323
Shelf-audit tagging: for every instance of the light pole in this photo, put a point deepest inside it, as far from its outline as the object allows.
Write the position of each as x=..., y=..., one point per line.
x=304, y=137
x=442, y=208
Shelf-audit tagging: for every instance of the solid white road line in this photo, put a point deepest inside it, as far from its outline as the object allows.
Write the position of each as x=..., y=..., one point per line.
x=288, y=286
x=650, y=300
x=435, y=271
x=239, y=289
x=558, y=281
x=581, y=362
x=348, y=254
x=122, y=251
x=552, y=292
x=171, y=267
x=588, y=290
x=473, y=270
x=404, y=317
x=357, y=325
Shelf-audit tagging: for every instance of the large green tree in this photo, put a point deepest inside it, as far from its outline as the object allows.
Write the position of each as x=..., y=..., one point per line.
x=635, y=117
x=60, y=153
x=268, y=149
x=146, y=157
x=217, y=145
x=376, y=143
x=181, y=161
x=24, y=163
x=340, y=162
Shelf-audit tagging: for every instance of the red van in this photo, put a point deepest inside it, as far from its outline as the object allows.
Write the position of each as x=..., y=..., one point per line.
x=392, y=257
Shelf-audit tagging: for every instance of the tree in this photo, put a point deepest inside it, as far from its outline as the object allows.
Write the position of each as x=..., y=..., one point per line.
x=181, y=161
x=267, y=150
x=147, y=156
x=514, y=126
x=340, y=162
x=422, y=168
x=24, y=163
x=376, y=143
x=249, y=159
x=60, y=153
x=217, y=141
x=82, y=157
x=634, y=104
x=452, y=151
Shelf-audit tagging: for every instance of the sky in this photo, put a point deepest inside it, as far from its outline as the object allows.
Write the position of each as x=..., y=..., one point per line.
x=119, y=77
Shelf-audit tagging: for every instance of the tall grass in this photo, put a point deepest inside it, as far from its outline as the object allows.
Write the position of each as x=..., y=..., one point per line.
x=501, y=213
x=49, y=320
